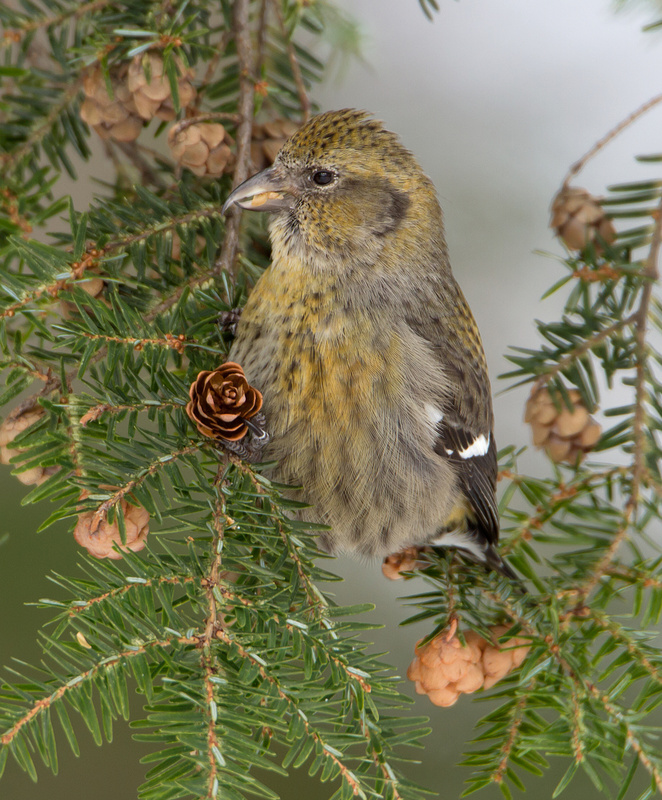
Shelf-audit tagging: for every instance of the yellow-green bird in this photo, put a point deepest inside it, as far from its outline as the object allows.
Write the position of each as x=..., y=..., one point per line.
x=374, y=378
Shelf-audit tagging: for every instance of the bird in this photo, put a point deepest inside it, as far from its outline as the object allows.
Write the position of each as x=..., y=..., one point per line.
x=374, y=378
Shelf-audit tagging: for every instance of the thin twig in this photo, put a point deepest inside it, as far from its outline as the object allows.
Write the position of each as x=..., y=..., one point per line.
x=513, y=728
x=107, y=663
x=304, y=100
x=11, y=159
x=219, y=52
x=582, y=349
x=131, y=151
x=75, y=11
x=130, y=485
x=325, y=750
x=225, y=262
x=576, y=168
x=75, y=608
x=261, y=37
x=651, y=273
x=211, y=626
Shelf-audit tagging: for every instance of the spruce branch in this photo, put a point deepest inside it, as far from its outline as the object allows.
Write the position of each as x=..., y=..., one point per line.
x=44, y=704
x=136, y=480
x=27, y=25
x=304, y=100
x=226, y=259
x=11, y=160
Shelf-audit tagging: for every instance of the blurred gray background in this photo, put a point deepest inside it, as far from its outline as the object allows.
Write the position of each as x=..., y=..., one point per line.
x=497, y=98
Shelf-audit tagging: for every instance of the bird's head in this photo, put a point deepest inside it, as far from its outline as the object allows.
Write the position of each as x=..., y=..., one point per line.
x=341, y=187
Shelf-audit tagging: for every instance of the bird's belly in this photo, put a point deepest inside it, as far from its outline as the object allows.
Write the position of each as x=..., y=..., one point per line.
x=350, y=428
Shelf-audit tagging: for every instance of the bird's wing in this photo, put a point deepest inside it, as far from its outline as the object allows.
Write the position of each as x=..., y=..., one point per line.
x=465, y=434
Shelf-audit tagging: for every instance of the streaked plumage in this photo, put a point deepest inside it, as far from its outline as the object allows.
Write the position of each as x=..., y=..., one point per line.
x=374, y=379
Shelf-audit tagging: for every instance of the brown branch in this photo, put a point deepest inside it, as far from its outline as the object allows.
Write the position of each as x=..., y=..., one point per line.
x=304, y=100
x=47, y=702
x=578, y=718
x=617, y=715
x=612, y=134
x=33, y=371
x=616, y=631
x=75, y=608
x=171, y=224
x=346, y=773
x=219, y=52
x=132, y=151
x=638, y=469
x=170, y=341
x=128, y=487
x=96, y=412
x=46, y=22
x=582, y=349
x=210, y=116
x=513, y=728
x=10, y=160
x=226, y=259
x=555, y=503
x=212, y=625
x=173, y=298
x=261, y=37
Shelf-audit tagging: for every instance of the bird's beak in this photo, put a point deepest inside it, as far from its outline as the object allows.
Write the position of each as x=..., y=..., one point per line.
x=266, y=191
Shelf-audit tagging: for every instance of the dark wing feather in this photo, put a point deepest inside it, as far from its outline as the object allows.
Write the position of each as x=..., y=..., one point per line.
x=449, y=328
x=477, y=476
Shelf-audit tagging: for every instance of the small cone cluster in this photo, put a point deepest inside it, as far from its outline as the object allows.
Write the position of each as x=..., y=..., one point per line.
x=140, y=91
x=268, y=138
x=201, y=147
x=113, y=116
x=564, y=434
x=9, y=430
x=150, y=87
x=405, y=560
x=99, y=536
x=578, y=219
x=444, y=668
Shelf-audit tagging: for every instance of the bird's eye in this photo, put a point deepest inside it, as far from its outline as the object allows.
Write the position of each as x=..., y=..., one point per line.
x=323, y=177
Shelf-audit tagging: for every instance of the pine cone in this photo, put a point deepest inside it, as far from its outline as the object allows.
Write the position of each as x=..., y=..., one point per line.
x=222, y=401
x=268, y=138
x=201, y=147
x=405, y=560
x=444, y=668
x=113, y=117
x=565, y=435
x=9, y=430
x=152, y=97
x=99, y=536
x=578, y=219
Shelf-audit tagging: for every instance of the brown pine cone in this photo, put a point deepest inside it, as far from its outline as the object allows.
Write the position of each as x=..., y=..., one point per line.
x=99, y=536
x=444, y=668
x=113, y=117
x=268, y=138
x=152, y=96
x=405, y=560
x=9, y=430
x=565, y=435
x=201, y=147
x=222, y=401
x=578, y=219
